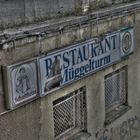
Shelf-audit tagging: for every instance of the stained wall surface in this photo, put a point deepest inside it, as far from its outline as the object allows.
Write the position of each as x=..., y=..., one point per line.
x=15, y=13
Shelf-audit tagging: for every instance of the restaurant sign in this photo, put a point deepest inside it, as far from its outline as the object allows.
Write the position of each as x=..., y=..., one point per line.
x=67, y=65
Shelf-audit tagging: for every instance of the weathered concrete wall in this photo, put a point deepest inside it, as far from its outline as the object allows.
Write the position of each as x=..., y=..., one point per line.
x=35, y=120
x=22, y=124
x=19, y=12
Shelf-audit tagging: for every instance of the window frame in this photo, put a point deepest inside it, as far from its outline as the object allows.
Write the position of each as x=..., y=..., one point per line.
x=74, y=131
x=118, y=108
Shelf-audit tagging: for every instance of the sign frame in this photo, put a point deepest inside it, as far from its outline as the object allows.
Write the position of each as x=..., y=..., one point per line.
x=62, y=50
x=21, y=83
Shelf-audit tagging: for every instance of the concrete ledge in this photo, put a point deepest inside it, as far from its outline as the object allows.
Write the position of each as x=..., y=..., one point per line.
x=55, y=26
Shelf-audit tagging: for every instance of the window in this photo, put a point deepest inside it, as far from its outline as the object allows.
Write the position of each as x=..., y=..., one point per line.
x=116, y=94
x=69, y=114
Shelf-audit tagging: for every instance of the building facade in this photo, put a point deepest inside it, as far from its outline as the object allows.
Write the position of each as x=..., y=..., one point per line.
x=69, y=70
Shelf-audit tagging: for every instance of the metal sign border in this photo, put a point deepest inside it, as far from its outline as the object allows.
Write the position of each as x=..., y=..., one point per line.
x=7, y=72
